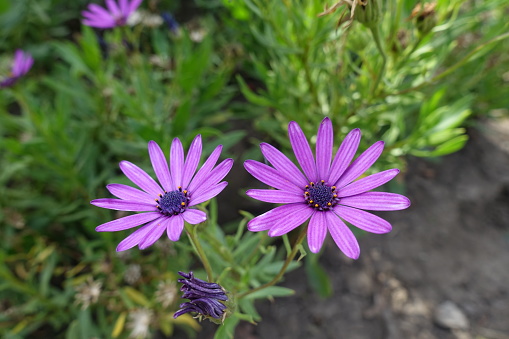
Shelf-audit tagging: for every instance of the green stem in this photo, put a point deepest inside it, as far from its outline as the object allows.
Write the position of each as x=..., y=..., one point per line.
x=378, y=42
x=278, y=277
x=191, y=233
x=451, y=69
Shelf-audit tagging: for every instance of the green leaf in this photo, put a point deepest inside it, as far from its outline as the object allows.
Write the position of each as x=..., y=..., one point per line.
x=272, y=291
x=317, y=277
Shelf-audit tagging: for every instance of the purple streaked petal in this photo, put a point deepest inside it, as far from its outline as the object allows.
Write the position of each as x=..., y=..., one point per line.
x=275, y=196
x=94, y=8
x=124, y=7
x=317, y=230
x=324, y=141
x=133, y=6
x=268, y=219
x=281, y=163
x=270, y=176
x=134, y=238
x=113, y=8
x=344, y=155
x=97, y=24
x=207, y=195
x=192, y=160
x=127, y=222
x=29, y=61
x=125, y=192
x=215, y=176
x=205, y=169
x=160, y=165
x=98, y=17
x=17, y=62
x=377, y=201
x=123, y=205
x=140, y=178
x=174, y=227
x=363, y=220
x=193, y=216
x=290, y=222
x=368, y=183
x=361, y=164
x=153, y=235
x=302, y=150
x=176, y=162
x=343, y=236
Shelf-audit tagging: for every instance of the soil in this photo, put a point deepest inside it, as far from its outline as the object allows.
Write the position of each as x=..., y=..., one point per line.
x=443, y=272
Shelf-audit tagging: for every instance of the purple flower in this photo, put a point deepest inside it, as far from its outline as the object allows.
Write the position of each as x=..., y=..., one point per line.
x=20, y=66
x=205, y=298
x=115, y=14
x=326, y=193
x=167, y=206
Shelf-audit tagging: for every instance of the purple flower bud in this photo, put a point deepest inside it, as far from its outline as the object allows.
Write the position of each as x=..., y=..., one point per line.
x=205, y=298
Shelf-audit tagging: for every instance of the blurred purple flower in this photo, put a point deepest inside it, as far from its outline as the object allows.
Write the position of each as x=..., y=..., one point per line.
x=115, y=14
x=168, y=207
x=171, y=23
x=20, y=66
x=326, y=193
x=205, y=298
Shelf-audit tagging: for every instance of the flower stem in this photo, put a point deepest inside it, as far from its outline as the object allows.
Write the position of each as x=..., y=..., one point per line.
x=278, y=277
x=378, y=42
x=191, y=233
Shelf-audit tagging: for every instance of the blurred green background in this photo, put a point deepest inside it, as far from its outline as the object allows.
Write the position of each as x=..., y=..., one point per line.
x=234, y=71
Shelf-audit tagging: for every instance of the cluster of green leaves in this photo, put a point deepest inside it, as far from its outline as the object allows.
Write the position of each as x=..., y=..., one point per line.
x=411, y=85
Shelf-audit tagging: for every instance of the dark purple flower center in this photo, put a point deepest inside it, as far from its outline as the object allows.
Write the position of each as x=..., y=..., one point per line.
x=321, y=196
x=121, y=20
x=173, y=203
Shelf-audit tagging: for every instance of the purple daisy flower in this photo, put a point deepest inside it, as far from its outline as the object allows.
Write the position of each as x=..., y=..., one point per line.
x=326, y=193
x=115, y=14
x=20, y=66
x=205, y=298
x=167, y=206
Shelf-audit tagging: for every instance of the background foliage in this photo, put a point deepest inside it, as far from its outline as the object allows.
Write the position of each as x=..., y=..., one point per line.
x=94, y=98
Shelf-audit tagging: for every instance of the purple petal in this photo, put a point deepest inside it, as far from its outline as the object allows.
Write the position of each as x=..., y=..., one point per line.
x=363, y=220
x=281, y=163
x=215, y=176
x=324, y=141
x=127, y=222
x=123, y=205
x=160, y=165
x=174, y=227
x=344, y=155
x=133, y=6
x=176, y=162
x=270, y=176
x=343, y=236
x=29, y=61
x=377, y=201
x=361, y=164
x=100, y=24
x=155, y=233
x=268, y=219
x=17, y=62
x=125, y=192
x=140, y=178
x=302, y=150
x=134, y=238
x=208, y=194
x=192, y=160
x=124, y=7
x=112, y=7
x=205, y=169
x=368, y=183
x=275, y=196
x=193, y=217
x=317, y=230
x=290, y=222
x=102, y=12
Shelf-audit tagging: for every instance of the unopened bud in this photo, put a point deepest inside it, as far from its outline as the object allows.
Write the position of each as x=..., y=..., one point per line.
x=425, y=17
x=368, y=12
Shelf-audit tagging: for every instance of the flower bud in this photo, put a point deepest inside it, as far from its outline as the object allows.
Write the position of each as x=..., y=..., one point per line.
x=367, y=12
x=208, y=300
x=425, y=17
